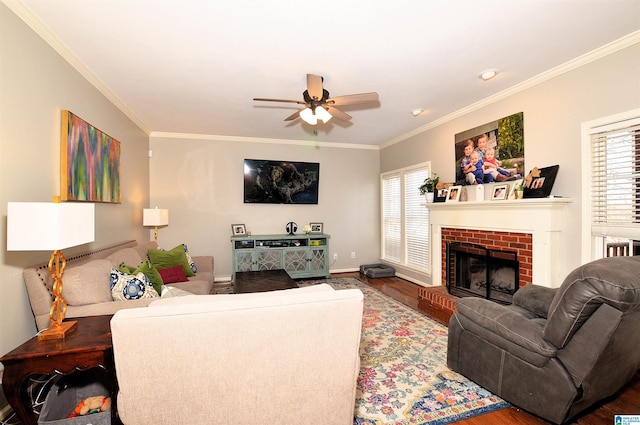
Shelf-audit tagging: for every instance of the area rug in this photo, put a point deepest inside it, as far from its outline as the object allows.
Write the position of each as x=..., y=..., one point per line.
x=403, y=378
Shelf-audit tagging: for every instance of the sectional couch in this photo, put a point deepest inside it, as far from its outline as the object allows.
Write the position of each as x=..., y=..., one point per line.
x=86, y=282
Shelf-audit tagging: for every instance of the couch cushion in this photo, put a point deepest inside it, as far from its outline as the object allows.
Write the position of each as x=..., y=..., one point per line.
x=176, y=257
x=129, y=287
x=125, y=255
x=87, y=283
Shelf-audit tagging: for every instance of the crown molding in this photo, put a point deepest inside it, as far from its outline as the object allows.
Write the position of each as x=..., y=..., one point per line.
x=63, y=50
x=242, y=139
x=578, y=62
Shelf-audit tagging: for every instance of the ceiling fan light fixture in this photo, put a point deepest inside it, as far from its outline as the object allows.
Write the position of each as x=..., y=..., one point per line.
x=308, y=116
x=488, y=74
x=322, y=114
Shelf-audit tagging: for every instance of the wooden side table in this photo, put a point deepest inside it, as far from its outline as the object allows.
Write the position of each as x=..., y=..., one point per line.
x=87, y=347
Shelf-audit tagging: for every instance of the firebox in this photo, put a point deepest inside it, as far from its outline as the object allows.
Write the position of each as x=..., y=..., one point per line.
x=473, y=270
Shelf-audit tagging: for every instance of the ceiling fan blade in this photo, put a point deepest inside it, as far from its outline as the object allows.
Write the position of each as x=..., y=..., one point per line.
x=279, y=100
x=295, y=115
x=337, y=113
x=314, y=86
x=352, y=99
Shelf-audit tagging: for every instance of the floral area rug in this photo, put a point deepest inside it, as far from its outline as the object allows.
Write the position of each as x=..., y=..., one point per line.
x=403, y=378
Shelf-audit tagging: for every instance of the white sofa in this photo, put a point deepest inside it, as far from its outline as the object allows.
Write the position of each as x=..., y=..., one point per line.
x=86, y=281
x=281, y=357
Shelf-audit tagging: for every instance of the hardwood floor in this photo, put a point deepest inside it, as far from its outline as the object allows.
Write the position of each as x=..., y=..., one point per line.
x=626, y=402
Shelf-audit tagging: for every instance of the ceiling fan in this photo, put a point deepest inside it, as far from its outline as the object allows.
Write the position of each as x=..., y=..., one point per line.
x=319, y=106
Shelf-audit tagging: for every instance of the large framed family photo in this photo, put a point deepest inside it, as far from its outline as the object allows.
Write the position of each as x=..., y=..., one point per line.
x=493, y=152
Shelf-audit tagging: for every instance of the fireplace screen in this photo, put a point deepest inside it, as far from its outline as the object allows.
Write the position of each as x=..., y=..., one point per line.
x=473, y=270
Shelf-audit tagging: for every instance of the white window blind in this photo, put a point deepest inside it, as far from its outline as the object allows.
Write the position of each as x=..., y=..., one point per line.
x=405, y=218
x=615, y=183
x=416, y=218
x=391, y=217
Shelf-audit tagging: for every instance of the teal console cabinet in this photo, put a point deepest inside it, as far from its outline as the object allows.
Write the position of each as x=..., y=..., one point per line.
x=302, y=256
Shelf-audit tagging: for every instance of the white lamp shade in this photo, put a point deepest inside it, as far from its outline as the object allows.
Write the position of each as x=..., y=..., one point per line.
x=323, y=114
x=155, y=217
x=47, y=226
x=308, y=116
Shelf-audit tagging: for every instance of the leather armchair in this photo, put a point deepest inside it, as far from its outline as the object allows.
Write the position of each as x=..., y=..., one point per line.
x=554, y=352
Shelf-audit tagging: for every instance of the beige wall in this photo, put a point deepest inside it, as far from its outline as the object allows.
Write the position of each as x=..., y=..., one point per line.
x=35, y=85
x=553, y=112
x=200, y=182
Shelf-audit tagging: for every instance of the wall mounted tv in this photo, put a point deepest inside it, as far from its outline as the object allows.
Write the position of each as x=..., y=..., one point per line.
x=280, y=182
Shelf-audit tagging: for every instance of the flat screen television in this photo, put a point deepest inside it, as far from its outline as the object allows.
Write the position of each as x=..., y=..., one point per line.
x=280, y=182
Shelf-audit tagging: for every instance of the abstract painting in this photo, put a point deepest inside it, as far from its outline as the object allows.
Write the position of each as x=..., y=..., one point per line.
x=90, y=162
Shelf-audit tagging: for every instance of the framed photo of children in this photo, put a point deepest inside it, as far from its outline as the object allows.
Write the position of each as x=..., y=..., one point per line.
x=493, y=152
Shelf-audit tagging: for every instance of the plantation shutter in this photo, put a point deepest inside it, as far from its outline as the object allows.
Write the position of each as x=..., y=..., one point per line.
x=615, y=184
x=391, y=217
x=416, y=220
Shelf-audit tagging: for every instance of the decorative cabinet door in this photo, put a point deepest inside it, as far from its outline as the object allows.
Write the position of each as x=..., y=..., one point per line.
x=244, y=261
x=295, y=259
x=318, y=260
x=268, y=260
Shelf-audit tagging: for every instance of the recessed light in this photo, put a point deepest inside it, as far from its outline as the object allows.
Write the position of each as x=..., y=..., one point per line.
x=488, y=74
x=417, y=112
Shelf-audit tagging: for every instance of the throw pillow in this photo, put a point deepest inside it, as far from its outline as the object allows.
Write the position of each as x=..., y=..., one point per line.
x=172, y=292
x=165, y=259
x=130, y=287
x=173, y=274
x=149, y=271
x=189, y=259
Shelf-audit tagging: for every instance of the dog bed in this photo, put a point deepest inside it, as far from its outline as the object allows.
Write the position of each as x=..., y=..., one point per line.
x=377, y=270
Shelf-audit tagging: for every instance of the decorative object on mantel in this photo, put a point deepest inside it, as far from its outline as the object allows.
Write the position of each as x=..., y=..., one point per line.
x=441, y=195
x=454, y=193
x=306, y=228
x=539, y=182
x=44, y=226
x=155, y=217
x=428, y=187
x=500, y=192
x=494, y=151
x=89, y=162
x=473, y=193
x=517, y=189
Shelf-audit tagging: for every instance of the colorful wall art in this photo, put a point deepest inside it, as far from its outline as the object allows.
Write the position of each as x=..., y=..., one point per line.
x=90, y=162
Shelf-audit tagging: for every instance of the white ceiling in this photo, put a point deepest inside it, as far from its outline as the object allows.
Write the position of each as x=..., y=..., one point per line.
x=187, y=66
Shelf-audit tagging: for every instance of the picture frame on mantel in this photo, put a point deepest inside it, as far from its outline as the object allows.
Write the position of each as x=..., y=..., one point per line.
x=454, y=193
x=540, y=186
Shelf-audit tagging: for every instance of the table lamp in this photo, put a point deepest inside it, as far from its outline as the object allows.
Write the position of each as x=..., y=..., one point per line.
x=44, y=226
x=155, y=217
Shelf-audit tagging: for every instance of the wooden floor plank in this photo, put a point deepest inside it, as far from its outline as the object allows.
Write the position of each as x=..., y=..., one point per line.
x=626, y=402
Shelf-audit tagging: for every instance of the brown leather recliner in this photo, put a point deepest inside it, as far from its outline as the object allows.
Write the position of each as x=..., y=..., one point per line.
x=554, y=352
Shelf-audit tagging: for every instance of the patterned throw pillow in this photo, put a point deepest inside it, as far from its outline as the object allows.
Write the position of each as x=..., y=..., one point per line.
x=129, y=287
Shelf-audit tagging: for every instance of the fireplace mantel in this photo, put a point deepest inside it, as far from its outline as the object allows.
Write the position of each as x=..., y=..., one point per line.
x=540, y=217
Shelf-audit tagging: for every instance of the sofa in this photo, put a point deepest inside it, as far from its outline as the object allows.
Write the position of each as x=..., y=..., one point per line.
x=554, y=352
x=86, y=280
x=280, y=357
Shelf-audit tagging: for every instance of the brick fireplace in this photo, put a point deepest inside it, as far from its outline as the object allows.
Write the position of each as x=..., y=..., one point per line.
x=530, y=227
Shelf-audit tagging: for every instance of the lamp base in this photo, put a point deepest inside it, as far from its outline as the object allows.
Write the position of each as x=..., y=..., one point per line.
x=56, y=331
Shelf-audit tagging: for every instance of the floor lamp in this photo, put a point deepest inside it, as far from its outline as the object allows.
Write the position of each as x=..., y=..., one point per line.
x=154, y=217
x=44, y=226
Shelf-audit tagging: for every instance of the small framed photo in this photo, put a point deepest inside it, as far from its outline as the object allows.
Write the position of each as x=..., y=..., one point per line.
x=500, y=192
x=238, y=230
x=316, y=228
x=512, y=192
x=454, y=193
x=441, y=195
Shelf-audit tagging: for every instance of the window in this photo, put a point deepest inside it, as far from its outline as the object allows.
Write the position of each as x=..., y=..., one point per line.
x=614, y=185
x=405, y=219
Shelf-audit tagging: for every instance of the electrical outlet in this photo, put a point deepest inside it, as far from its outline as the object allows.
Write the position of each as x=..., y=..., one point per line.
x=335, y=256
x=353, y=255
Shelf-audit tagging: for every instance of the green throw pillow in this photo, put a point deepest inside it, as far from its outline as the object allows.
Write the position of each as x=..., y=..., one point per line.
x=165, y=259
x=148, y=270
